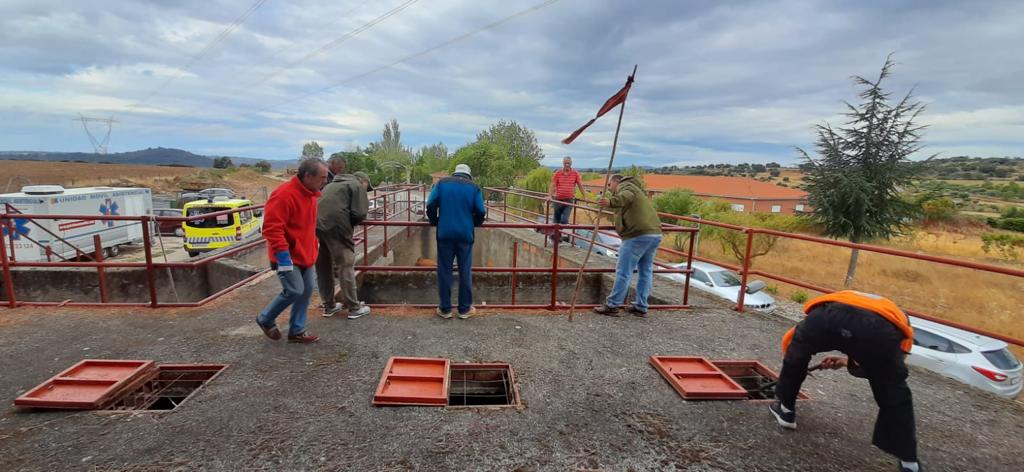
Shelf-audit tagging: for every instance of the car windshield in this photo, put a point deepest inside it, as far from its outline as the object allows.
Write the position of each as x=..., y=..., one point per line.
x=725, y=278
x=220, y=221
x=1002, y=359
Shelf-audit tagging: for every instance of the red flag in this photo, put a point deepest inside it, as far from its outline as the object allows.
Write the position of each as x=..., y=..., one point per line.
x=614, y=101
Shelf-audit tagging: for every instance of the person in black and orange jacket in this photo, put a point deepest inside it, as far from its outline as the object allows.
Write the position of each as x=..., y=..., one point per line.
x=876, y=336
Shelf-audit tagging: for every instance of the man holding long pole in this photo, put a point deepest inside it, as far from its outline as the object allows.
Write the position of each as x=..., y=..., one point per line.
x=618, y=99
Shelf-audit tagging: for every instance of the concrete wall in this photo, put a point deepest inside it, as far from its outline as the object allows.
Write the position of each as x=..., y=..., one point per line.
x=492, y=248
x=488, y=288
x=130, y=284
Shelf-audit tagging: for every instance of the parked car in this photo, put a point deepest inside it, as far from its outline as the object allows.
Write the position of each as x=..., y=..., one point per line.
x=976, y=360
x=725, y=283
x=169, y=227
x=206, y=194
x=582, y=240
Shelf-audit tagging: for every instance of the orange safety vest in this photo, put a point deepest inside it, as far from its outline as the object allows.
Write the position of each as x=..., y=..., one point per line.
x=878, y=305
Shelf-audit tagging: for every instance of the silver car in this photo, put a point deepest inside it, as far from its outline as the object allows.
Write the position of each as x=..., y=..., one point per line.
x=973, y=359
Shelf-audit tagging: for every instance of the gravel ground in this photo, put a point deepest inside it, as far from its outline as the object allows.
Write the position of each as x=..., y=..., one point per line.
x=592, y=402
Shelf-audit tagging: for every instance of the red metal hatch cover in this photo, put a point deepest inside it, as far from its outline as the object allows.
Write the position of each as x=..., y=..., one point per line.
x=89, y=384
x=413, y=381
x=696, y=378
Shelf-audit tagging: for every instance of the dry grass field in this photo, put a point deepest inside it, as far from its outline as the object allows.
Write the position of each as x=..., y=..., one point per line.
x=15, y=174
x=161, y=179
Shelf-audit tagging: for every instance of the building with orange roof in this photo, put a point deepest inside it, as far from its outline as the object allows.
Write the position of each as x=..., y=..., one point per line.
x=745, y=194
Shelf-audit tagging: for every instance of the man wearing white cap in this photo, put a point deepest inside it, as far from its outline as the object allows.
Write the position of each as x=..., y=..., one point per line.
x=456, y=207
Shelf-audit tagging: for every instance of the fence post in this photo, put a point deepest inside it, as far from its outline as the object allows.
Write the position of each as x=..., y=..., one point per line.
x=689, y=268
x=515, y=263
x=554, y=268
x=8, y=280
x=10, y=237
x=385, y=254
x=547, y=220
x=100, y=274
x=150, y=274
x=746, y=271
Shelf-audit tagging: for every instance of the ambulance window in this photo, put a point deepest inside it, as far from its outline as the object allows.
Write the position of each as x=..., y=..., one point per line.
x=220, y=221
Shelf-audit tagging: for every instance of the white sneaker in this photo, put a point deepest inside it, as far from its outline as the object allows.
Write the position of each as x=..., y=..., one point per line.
x=330, y=311
x=360, y=312
x=468, y=314
x=446, y=315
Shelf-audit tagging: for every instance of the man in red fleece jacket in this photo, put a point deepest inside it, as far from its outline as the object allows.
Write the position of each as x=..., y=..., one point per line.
x=289, y=226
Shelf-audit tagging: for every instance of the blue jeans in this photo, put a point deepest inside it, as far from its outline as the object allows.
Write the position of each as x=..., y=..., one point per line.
x=296, y=287
x=448, y=252
x=562, y=212
x=635, y=254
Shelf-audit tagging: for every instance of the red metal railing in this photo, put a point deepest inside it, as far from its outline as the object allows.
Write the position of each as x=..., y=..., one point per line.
x=554, y=269
x=745, y=269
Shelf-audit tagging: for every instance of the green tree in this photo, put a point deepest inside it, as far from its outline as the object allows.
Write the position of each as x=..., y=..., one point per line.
x=358, y=160
x=262, y=166
x=677, y=202
x=487, y=162
x=392, y=157
x=537, y=181
x=734, y=243
x=516, y=142
x=854, y=184
x=312, y=149
x=430, y=159
x=223, y=162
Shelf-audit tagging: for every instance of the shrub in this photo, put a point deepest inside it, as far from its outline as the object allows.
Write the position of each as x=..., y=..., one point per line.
x=799, y=296
x=1008, y=246
x=772, y=289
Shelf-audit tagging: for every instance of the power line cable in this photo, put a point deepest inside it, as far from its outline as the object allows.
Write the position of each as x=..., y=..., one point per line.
x=414, y=55
x=203, y=52
x=336, y=42
x=332, y=44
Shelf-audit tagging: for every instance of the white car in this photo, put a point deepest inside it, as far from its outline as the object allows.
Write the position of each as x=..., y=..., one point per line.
x=725, y=283
x=582, y=240
x=976, y=360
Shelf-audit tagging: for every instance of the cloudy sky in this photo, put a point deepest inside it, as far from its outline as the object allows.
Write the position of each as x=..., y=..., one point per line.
x=718, y=81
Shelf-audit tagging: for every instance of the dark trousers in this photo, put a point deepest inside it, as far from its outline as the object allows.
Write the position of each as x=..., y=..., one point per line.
x=873, y=343
x=447, y=253
x=336, y=258
x=562, y=212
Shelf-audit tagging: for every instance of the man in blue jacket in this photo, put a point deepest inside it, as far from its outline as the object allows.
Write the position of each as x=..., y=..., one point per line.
x=456, y=206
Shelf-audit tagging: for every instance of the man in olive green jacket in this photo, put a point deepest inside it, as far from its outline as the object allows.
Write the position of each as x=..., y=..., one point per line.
x=342, y=206
x=638, y=225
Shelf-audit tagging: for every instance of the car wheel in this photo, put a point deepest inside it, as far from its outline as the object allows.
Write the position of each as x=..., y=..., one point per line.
x=193, y=253
x=113, y=251
x=179, y=232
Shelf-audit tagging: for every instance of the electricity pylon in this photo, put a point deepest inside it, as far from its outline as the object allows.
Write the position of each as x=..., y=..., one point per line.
x=99, y=146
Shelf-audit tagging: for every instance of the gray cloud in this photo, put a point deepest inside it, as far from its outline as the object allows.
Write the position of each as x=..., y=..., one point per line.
x=718, y=81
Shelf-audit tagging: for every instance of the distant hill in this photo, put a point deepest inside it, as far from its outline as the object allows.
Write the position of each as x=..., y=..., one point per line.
x=976, y=168
x=152, y=156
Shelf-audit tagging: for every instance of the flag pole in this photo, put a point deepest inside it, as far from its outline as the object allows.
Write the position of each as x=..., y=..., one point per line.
x=597, y=221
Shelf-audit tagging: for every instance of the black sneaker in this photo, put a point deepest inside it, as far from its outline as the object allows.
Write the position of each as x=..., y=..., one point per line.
x=786, y=419
x=608, y=311
x=636, y=311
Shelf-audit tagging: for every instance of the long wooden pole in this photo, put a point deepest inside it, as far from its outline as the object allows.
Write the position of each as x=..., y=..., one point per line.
x=600, y=213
